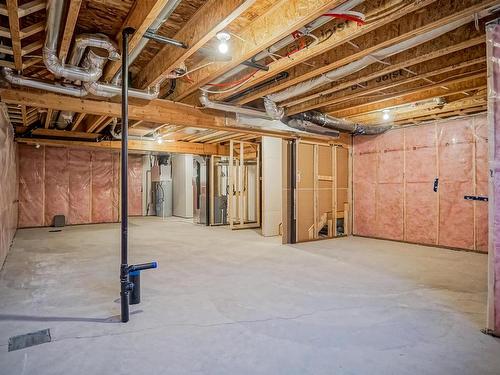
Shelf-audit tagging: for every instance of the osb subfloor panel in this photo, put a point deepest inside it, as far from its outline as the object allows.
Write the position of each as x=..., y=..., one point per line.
x=227, y=302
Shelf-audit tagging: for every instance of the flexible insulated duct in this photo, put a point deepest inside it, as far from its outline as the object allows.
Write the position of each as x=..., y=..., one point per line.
x=323, y=120
x=54, y=15
x=377, y=56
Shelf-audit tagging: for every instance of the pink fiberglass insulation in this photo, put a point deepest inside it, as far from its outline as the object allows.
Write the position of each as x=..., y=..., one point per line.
x=421, y=169
x=80, y=169
x=364, y=185
x=389, y=215
x=493, y=60
x=31, y=186
x=82, y=185
x=135, y=185
x=481, y=208
x=393, y=184
x=102, y=187
x=455, y=156
x=9, y=189
x=56, y=184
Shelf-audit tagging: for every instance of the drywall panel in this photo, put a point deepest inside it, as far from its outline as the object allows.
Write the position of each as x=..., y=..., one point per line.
x=9, y=186
x=182, y=185
x=271, y=185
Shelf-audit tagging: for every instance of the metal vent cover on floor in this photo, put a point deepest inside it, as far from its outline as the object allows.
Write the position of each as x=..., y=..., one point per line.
x=29, y=339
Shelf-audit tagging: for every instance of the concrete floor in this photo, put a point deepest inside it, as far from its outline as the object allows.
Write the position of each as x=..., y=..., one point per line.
x=227, y=302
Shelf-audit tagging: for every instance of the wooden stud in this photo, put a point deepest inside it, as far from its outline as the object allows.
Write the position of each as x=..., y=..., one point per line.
x=48, y=118
x=77, y=121
x=32, y=29
x=31, y=7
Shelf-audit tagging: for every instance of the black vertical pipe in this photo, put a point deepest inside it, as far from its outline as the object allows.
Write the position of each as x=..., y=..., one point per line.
x=293, y=189
x=124, y=277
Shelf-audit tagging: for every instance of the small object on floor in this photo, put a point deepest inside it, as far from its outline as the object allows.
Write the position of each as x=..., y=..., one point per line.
x=29, y=339
x=55, y=230
x=59, y=221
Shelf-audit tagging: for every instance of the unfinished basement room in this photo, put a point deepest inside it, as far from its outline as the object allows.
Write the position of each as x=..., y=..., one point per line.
x=234, y=187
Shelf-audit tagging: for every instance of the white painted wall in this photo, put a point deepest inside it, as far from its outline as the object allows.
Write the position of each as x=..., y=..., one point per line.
x=271, y=185
x=182, y=185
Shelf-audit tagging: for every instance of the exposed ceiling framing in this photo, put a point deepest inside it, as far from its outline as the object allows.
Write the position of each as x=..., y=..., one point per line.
x=440, y=78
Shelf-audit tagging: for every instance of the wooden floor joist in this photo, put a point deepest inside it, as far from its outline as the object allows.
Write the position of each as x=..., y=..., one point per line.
x=280, y=21
x=437, y=14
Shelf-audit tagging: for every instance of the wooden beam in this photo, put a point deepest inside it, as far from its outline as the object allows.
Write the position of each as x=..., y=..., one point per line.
x=48, y=117
x=77, y=120
x=69, y=28
x=5, y=32
x=472, y=82
x=32, y=47
x=135, y=145
x=417, y=73
x=32, y=29
x=332, y=37
x=140, y=18
x=463, y=39
x=95, y=123
x=433, y=16
x=401, y=118
x=212, y=17
x=31, y=7
x=135, y=124
x=104, y=124
x=158, y=110
x=63, y=134
x=13, y=10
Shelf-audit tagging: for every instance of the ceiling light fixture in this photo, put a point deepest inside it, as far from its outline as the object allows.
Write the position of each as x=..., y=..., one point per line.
x=386, y=116
x=223, y=37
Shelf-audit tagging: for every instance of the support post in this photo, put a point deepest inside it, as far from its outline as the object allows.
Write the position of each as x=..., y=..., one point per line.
x=125, y=285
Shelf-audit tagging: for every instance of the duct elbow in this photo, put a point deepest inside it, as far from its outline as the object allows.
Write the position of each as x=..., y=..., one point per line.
x=272, y=109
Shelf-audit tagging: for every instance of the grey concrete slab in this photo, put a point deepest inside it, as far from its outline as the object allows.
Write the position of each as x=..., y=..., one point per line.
x=225, y=302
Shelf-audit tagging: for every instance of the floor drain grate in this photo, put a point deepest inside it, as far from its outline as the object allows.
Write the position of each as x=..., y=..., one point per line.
x=29, y=339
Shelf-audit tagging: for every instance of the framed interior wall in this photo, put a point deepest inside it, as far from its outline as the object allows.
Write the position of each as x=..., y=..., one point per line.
x=322, y=193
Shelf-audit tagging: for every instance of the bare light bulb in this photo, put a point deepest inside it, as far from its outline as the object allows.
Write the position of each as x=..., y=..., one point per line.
x=223, y=47
x=385, y=116
x=160, y=141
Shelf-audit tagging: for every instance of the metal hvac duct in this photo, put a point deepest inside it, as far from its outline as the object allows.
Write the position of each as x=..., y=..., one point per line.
x=55, y=9
x=325, y=121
